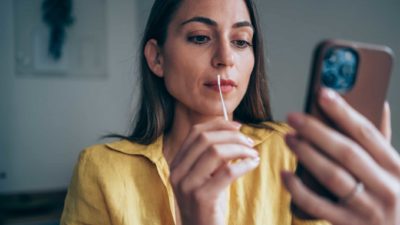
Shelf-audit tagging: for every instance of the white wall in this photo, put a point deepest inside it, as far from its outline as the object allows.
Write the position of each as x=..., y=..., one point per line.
x=45, y=122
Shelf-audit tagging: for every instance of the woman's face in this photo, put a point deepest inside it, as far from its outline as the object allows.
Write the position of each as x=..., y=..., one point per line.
x=206, y=38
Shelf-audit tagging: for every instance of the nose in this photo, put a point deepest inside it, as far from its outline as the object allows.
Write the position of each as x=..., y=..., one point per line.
x=223, y=55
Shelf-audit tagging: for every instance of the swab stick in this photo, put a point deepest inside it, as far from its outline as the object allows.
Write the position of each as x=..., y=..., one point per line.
x=222, y=98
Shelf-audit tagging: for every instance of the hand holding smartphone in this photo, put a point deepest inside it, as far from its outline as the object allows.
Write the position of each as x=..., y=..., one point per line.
x=360, y=73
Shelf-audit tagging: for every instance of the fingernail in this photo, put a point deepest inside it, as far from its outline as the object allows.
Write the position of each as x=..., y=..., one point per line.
x=250, y=141
x=295, y=119
x=256, y=160
x=328, y=95
x=253, y=153
x=252, y=161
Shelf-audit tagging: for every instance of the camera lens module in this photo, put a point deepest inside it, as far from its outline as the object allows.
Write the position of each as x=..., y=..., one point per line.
x=339, y=69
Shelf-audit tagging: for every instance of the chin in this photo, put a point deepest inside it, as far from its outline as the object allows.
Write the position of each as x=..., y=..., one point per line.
x=213, y=111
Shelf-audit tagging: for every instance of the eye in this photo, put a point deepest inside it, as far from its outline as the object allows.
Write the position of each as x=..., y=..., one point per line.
x=199, y=39
x=241, y=43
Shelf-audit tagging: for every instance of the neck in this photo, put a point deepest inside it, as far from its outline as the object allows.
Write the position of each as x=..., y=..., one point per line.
x=184, y=120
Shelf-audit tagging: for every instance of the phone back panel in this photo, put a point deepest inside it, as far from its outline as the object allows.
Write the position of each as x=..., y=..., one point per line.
x=368, y=94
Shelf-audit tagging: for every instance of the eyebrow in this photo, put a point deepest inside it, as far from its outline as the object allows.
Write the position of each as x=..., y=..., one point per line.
x=213, y=23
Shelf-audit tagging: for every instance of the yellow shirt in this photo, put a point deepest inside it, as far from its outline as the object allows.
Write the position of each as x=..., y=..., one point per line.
x=123, y=183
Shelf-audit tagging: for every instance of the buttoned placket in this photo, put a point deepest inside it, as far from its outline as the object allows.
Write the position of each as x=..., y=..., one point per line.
x=164, y=173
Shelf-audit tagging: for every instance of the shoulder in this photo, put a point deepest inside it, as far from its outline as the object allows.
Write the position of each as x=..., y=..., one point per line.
x=92, y=161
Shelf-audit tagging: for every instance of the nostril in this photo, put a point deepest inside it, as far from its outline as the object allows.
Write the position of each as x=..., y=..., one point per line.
x=225, y=61
x=223, y=55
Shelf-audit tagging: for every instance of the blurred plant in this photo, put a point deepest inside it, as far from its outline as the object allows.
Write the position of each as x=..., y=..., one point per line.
x=57, y=15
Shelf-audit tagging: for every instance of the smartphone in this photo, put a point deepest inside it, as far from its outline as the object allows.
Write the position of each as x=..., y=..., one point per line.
x=360, y=73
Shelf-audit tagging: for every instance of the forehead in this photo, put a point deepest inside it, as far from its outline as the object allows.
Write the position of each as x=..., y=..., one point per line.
x=222, y=11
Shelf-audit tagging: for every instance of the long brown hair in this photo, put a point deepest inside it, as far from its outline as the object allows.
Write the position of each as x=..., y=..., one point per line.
x=156, y=109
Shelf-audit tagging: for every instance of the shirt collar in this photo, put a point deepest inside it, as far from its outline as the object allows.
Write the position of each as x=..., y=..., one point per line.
x=152, y=151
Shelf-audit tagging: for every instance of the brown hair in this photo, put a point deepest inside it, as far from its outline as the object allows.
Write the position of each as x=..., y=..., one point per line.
x=156, y=110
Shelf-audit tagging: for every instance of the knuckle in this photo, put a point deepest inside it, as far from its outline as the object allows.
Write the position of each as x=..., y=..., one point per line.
x=333, y=178
x=390, y=197
x=365, y=131
x=203, y=137
x=214, y=151
x=394, y=167
x=346, y=154
x=230, y=172
x=196, y=129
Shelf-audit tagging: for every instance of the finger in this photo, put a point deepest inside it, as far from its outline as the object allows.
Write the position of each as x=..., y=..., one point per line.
x=196, y=130
x=329, y=174
x=361, y=129
x=343, y=151
x=315, y=205
x=214, y=159
x=214, y=125
x=224, y=177
x=336, y=179
x=386, y=128
x=204, y=141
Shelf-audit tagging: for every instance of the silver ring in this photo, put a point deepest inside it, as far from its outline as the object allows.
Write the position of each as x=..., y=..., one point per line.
x=358, y=188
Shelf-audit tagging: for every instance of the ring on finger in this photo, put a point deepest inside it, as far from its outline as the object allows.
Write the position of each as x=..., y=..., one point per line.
x=358, y=188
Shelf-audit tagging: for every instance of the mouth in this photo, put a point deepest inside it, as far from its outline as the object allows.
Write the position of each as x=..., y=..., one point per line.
x=227, y=85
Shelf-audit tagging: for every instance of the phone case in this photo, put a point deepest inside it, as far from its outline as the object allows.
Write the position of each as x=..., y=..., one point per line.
x=365, y=90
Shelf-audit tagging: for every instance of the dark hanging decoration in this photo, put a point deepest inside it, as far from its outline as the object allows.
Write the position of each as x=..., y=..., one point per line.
x=57, y=15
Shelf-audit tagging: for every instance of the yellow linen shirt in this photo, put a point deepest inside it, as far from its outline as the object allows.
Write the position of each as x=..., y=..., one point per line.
x=124, y=183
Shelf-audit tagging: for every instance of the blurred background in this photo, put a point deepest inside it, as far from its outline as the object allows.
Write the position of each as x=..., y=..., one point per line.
x=50, y=110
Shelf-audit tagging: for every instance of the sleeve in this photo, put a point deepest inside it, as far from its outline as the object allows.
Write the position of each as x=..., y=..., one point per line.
x=297, y=221
x=85, y=203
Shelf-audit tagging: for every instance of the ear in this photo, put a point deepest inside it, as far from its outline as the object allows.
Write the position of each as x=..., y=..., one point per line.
x=153, y=57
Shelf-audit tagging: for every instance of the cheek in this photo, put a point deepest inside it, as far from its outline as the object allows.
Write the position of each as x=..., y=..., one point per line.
x=179, y=76
x=246, y=68
x=182, y=71
x=174, y=83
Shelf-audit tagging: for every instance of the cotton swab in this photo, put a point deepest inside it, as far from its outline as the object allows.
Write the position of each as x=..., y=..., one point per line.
x=222, y=98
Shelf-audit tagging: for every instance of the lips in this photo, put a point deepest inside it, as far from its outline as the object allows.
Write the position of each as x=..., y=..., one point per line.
x=226, y=85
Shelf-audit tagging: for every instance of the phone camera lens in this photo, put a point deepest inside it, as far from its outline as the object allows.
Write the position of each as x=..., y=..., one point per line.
x=339, y=69
x=329, y=79
x=347, y=70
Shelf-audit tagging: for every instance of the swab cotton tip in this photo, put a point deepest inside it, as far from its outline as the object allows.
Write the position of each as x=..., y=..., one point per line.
x=222, y=98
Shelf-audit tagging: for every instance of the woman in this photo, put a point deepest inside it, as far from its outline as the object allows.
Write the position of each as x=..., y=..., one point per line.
x=184, y=164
